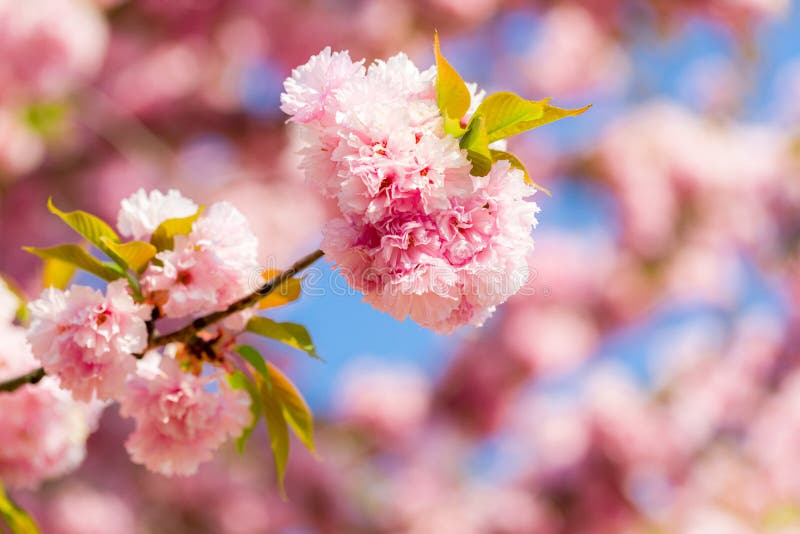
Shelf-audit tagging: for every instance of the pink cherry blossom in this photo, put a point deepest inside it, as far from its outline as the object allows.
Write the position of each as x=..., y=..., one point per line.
x=141, y=213
x=86, y=339
x=417, y=234
x=208, y=269
x=179, y=420
x=42, y=429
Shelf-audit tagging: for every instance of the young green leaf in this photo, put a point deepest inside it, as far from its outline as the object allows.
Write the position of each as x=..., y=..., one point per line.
x=506, y=114
x=452, y=95
x=57, y=273
x=287, y=292
x=75, y=255
x=163, y=237
x=254, y=358
x=238, y=380
x=14, y=517
x=278, y=432
x=134, y=255
x=295, y=410
x=292, y=334
x=476, y=142
x=87, y=225
x=497, y=155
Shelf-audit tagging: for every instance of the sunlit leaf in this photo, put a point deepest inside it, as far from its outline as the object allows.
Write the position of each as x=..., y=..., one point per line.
x=285, y=293
x=14, y=517
x=476, y=142
x=292, y=334
x=254, y=358
x=77, y=257
x=164, y=236
x=57, y=273
x=86, y=224
x=506, y=114
x=452, y=95
x=498, y=155
x=239, y=380
x=296, y=411
x=135, y=254
x=278, y=432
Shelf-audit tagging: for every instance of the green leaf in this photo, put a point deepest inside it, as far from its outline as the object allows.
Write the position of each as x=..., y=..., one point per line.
x=497, y=155
x=238, y=380
x=254, y=358
x=476, y=142
x=76, y=256
x=278, y=432
x=452, y=95
x=14, y=517
x=287, y=292
x=295, y=410
x=164, y=236
x=134, y=255
x=506, y=114
x=292, y=334
x=87, y=225
x=57, y=273
x=22, y=308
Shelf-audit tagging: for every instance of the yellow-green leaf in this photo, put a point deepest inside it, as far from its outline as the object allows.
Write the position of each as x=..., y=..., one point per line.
x=76, y=256
x=452, y=95
x=295, y=410
x=86, y=224
x=476, y=142
x=292, y=334
x=287, y=292
x=278, y=431
x=254, y=358
x=135, y=254
x=497, y=155
x=506, y=114
x=164, y=236
x=239, y=380
x=22, y=308
x=57, y=273
x=14, y=517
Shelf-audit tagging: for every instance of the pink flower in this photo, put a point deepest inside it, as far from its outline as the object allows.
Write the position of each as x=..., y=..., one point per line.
x=209, y=269
x=42, y=430
x=418, y=234
x=141, y=213
x=86, y=339
x=21, y=149
x=179, y=420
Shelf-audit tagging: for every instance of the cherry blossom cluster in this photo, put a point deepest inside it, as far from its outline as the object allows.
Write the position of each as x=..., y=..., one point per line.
x=88, y=341
x=43, y=430
x=417, y=233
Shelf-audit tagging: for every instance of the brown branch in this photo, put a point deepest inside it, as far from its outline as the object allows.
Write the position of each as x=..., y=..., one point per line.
x=188, y=332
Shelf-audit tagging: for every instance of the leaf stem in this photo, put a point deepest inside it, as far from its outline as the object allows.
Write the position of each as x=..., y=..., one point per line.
x=186, y=333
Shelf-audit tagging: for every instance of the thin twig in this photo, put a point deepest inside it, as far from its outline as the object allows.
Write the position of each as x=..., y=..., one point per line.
x=186, y=333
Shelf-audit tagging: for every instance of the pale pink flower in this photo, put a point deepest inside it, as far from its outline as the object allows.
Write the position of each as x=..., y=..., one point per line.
x=49, y=46
x=86, y=339
x=80, y=509
x=179, y=420
x=141, y=213
x=390, y=401
x=418, y=234
x=21, y=149
x=43, y=430
x=207, y=270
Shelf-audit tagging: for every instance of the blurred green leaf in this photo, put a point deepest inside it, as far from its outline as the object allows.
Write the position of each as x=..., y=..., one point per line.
x=14, y=517
x=292, y=334
x=77, y=257
x=254, y=358
x=46, y=118
x=164, y=236
x=278, y=432
x=295, y=410
x=87, y=225
x=238, y=380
